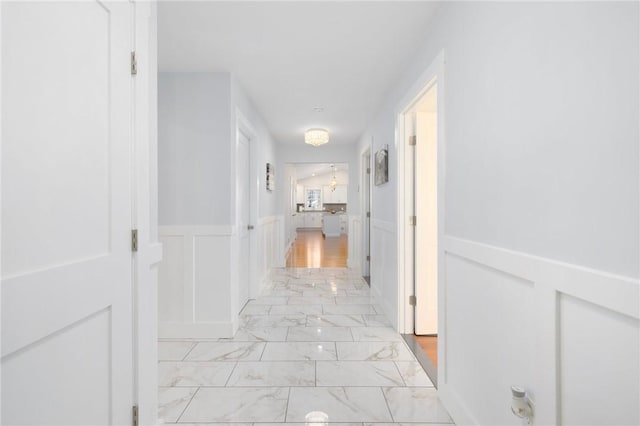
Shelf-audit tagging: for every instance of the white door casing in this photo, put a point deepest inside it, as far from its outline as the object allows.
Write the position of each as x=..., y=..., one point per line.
x=244, y=215
x=66, y=213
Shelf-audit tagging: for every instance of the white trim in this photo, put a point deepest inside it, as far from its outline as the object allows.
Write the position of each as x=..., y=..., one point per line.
x=405, y=186
x=200, y=330
x=219, y=230
x=549, y=281
x=365, y=234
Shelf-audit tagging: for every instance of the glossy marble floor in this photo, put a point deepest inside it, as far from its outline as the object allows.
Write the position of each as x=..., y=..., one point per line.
x=314, y=348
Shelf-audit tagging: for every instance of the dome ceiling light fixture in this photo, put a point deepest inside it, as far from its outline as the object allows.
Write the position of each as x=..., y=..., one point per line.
x=316, y=137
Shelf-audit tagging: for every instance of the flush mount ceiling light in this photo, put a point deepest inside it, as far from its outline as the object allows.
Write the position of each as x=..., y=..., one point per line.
x=316, y=137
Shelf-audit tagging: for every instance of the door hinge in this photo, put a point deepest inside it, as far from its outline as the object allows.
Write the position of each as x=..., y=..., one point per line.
x=413, y=220
x=368, y=214
x=368, y=258
x=134, y=240
x=134, y=415
x=134, y=63
x=412, y=140
x=368, y=170
x=412, y=300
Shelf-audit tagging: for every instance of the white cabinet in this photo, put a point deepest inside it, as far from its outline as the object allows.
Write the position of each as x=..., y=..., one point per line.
x=344, y=224
x=312, y=220
x=299, y=220
x=339, y=196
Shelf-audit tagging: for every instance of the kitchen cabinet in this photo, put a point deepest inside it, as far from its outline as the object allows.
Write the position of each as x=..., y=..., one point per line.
x=300, y=194
x=344, y=224
x=339, y=196
x=312, y=220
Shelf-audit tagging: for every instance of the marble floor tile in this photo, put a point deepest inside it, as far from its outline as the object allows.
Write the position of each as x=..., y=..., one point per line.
x=296, y=310
x=174, y=351
x=375, y=334
x=416, y=405
x=181, y=374
x=335, y=321
x=286, y=293
x=294, y=351
x=376, y=320
x=273, y=373
x=259, y=334
x=340, y=404
x=309, y=423
x=172, y=402
x=357, y=373
x=226, y=351
x=319, y=334
x=256, y=321
x=373, y=351
x=256, y=310
x=348, y=309
x=354, y=300
x=413, y=374
x=269, y=300
x=319, y=292
x=312, y=300
x=237, y=405
x=359, y=293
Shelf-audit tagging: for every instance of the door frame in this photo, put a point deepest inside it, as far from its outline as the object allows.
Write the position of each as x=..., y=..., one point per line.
x=406, y=319
x=244, y=126
x=365, y=266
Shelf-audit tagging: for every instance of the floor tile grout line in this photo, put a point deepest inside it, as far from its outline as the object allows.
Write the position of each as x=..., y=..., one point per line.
x=188, y=404
x=393, y=420
x=226, y=383
x=286, y=408
x=189, y=351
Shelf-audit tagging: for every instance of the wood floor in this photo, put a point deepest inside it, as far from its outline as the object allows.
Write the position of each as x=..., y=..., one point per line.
x=311, y=250
x=429, y=345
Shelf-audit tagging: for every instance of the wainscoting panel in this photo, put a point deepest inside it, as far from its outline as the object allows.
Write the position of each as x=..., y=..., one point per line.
x=603, y=344
x=569, y=335
x=271, y=253
x=194, y=282
x=384, y=282
x=354, y=260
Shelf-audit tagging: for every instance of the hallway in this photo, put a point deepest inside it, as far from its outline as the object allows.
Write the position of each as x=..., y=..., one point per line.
x=314, y=348
x=311, y=250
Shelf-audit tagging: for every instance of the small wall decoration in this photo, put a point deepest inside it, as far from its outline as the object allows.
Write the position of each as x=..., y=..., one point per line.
x=381, y=165
x=271, y=180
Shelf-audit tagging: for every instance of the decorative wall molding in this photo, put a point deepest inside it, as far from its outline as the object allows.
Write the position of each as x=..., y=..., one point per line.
x=354, y=259
x=194, y=282
x=384, y=282
x=564, y=332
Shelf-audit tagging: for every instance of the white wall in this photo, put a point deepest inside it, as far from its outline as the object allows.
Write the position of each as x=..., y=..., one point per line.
x=542, y=207
x=198, y=120
x=194, y=148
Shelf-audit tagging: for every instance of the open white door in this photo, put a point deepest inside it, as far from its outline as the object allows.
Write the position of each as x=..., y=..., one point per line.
x=66, y=213
x=426, y=208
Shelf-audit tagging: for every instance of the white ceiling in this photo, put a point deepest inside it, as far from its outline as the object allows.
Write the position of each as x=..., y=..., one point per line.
x=294, y=56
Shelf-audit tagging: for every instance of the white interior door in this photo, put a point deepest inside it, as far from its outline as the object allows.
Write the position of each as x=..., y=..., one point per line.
x=66, y=213
x=426, y=208
x=244, y=214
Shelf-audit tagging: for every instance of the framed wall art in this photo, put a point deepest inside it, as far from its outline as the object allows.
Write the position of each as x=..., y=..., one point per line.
x=270, y=177
x=381, y=165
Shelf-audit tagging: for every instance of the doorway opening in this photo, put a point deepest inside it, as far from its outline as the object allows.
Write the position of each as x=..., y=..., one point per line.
x=422, y=185
x=318, y=213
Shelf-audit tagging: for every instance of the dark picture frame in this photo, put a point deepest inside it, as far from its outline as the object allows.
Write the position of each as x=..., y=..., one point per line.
x=270, y=177
x=381, y=166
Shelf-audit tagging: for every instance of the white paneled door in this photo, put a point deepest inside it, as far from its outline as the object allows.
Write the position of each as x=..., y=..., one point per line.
x=66, y=213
